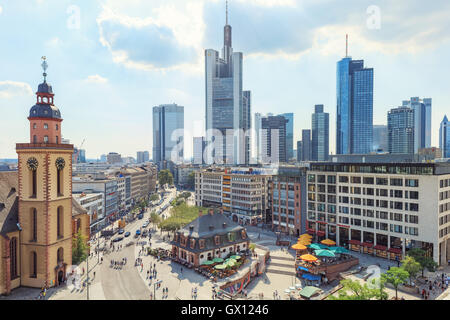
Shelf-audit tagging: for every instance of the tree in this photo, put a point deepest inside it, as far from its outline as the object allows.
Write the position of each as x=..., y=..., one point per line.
x=395, y=276
x=155, y=218
x=79, y=247
x=252, y=247
x=191, y=180
x=412, y=266
x=354, y=290
x=154, y=197
x=425, y=262
x=165, y=177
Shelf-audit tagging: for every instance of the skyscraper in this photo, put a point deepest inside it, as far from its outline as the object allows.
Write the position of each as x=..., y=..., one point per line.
x=401, y=130
x=422, y=122
x=380, y=138
x=273, y=139
x=354, y=121
x=444, y=138
x=142, y=156
x=227, y=107
x=299, y=151
x=320, y=124
x=199, y=148
x=289, y=135
x=168, y=132
x=257, y=132
x=306, y=145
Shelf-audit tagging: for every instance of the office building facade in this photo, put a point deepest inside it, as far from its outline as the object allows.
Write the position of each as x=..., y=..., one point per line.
x=306, y=145
x=444, y=138
x=289, y=135
x=401, y=130
x=422, y=121
x=380, y=138
x=142, y=156
x=199, y=148
x=354, y=120
x=168, y=133
x=273, y=139
x=320, y=129
x=227, y=106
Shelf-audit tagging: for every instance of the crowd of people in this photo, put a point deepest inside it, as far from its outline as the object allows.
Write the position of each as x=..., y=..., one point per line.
x=434, y=287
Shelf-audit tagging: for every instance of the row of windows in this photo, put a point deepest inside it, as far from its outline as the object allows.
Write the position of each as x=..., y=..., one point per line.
x=444, y=183
x=444, y=207
x=45, y=126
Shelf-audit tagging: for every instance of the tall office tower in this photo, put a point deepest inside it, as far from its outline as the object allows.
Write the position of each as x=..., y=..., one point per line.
x=320, y=126
x=401, y=130
x=444, y=138
x=380, y=138
x=227, y=107
x=273, y=139
x=422, y=122
x=354, y=120
x=168, y=132
x=299, y=151
x=247, y=103
x=306, y=145
x=289, y=135
x=113, y=158
x=199, y=148
x=142, y=156
x=257, y=139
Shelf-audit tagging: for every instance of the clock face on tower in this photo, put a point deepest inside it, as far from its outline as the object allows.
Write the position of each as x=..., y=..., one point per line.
x=32, y=163
x=60, y=163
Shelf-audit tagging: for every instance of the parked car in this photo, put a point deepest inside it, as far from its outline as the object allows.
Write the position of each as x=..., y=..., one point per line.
x=117, y=239
x=127, y=234
x=140, y=216
x=121, y=231
x=145, y=225
x=138, y=233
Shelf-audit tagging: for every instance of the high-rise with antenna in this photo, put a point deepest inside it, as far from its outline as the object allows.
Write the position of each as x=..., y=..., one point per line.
x=354, y=116
x=227, y=106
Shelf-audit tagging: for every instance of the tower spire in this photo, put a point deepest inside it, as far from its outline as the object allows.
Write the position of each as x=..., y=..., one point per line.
x=226, y=12
x=346, y=45
x=44, y=66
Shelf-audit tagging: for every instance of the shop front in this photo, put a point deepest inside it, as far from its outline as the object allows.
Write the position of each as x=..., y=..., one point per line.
x=381, y=251
x=355, y=245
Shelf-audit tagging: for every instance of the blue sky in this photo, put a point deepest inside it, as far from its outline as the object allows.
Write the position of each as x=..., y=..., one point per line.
x=111, y=61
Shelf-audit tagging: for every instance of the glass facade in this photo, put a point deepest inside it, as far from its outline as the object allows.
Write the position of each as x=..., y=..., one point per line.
x=320, y=134
x=401, y=130
x=444, y=138
x=289, y=134
x=354, y=121
x=422, y=121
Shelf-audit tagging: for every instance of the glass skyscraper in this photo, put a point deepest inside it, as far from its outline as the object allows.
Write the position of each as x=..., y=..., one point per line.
x=422, y=122
x=380, y=138
x=273, y=139
x=354, y=120
x=227, y=106
x=401, y=130
x=320, y=125
x=168, y=132
x=444, y=138
x=306, y=145
x=289, y=135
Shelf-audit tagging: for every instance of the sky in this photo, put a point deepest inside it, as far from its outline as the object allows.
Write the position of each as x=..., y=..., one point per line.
x=111, y=61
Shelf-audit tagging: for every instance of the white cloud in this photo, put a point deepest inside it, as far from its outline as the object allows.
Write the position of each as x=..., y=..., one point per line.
x=1, y=9
x=96, y=79
x=53, y=42
x=10, y=89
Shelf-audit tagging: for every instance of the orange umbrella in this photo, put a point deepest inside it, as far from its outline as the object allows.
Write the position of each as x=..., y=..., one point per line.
x=308, y=257
x=328, y=242
x=298, y=246
x=306, y=235
x=304, y=242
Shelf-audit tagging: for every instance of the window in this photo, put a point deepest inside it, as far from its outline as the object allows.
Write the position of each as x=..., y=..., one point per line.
x=57, y=140
x=13, y=257
x=33, y=184
x=411, y=183
x=59, y=182
x=60, y=222
x=34, y=125
x=45, y=126
x=33, y=224
x=396, y=182
x=45, y=139
x=60, y=255
x=56, y=127
x=34, y=139
x=33, y=264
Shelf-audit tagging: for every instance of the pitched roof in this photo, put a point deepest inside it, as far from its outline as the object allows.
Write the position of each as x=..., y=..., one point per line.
x=209, y=225
x=9, y=203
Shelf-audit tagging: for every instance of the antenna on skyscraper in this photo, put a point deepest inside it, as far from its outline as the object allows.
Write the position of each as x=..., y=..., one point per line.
x=346, y=45
x=226, y=12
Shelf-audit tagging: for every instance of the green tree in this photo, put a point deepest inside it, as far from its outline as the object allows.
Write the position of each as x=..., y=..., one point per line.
x=412, y=266
x=79, y=248
x=252, y=247
x=154, y=197
x=191, y=180
x=395, y=276
x=425, y=262
x=354, y=290
x=155, y=218
x=165, y=177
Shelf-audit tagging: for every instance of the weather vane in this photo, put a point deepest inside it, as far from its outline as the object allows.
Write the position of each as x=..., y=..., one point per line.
x=44, y=66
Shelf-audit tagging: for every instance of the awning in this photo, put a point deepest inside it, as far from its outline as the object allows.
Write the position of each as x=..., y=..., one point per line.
x=367, y=244
x=380, y=247
x=354, y=242
x=320, y=233
x=395, y=250
x=311, y=277
x=302, y=268
x=309, y=291
x=311, y=231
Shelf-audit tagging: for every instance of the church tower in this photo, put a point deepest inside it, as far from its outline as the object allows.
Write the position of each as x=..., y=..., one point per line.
x=45, y=194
